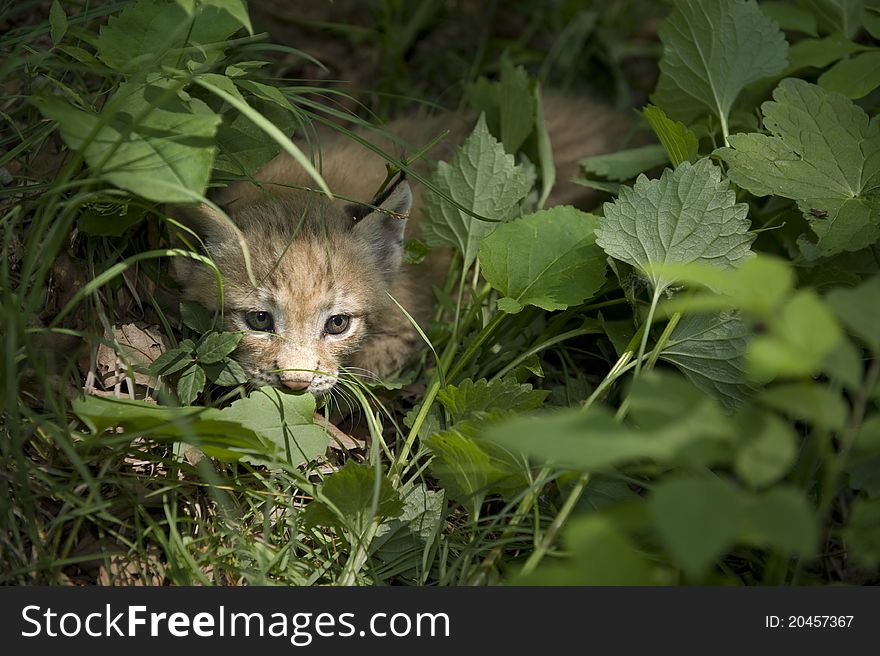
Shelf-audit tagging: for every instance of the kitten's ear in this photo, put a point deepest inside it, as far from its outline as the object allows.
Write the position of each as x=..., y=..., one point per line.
x=209, y=226
x=383, y=228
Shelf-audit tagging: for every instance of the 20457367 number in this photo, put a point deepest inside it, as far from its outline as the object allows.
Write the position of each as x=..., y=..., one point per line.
x=808, y=621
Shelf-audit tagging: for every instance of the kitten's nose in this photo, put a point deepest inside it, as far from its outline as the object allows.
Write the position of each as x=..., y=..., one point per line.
x=297, y=384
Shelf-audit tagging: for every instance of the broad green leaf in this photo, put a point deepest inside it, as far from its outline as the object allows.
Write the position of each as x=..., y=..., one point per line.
x=767, y=448
x=235, y=8
x=190, y=384
x=712, y=49
x=859, y=310
x=854, y=78
x=197, y=317
x=837, y=15
x=819, y=53
x=807, y=401
x=57, y=22
x=227, y=372
x=217, y=436
x=871, y=21
x=472, y=400
x=688, y=215
x=823, y=153
x=417, y=525
x=170, y=362
x=844, y=365
x=483, y=179
x=166, y=156
x=282, y=419
x=790, y=17
x=625, y=164
x=358, y=498
x=509, y=105
x=681, y=144
x=710, y=350
x=548, y=259
x=599, y=554
x=108, y=220
x=216, y=346
x=678, y=425
x=799, y=339
x=862, y=533
x=147, y=33
x=699, y=520
x=469, y=470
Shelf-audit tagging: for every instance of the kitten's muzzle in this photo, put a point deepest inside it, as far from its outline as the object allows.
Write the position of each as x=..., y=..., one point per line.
x=297, y=384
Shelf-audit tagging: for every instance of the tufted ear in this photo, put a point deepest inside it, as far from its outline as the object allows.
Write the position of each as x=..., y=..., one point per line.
x=381, y=225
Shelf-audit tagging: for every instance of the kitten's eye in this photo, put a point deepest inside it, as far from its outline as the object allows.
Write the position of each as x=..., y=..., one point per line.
x=337, y=324
x=261, y=321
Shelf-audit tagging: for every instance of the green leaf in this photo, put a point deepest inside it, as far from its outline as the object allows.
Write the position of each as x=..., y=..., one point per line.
x=482, y=178
x=807, y=401
x=712, y=49
x=871, y=21
x=790, y=17
x=678, y=425
x=196, y=317
x=819, y=53
x=518, y=106
x=823, y=154
x=688, y=215
x=359, y=493
x=235, y=8
x=216, y=435
x=680, y=144
x=282, y=419
x=417, y=525
x=165, y=157
x=190, y=384
x=767, y=449
x=170, y=362
x=710, y=350
x=859, y=310
x=109, y=220
x=699, y=520
x=216, y=346
x=625, y=164
x=227, y=372
x=57, y=22
x=548, y=259
x=599, y=555
x=862, y=533
x=854, y=78
x=470, y=470
x=415, y=251
x=473, y=400
x=837, y=15
x=799, y=339
x=149, y=33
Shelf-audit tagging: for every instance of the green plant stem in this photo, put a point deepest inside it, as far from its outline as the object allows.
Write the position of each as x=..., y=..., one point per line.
x=558, y=522
x=648, y=321
x=578, y=332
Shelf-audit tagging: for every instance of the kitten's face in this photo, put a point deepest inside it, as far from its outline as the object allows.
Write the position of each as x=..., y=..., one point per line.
x=320, y=293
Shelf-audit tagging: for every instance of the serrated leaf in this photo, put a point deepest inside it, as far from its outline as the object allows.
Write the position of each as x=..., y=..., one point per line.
x=416, y=526
x=712, y=49
x=819, y=53
x=483, y=179
x=358, y=499
x=165, y=157
x=548, y=259
x=824, y=154
x=190, y=384
x=216, y=346
x=625, y=164
x=235, y=8
x=710, y=350
x=790, y=17
x=837, y=15
x=282, y=419
x=688, y=215
x=57, y=22
x=147, y=33
x=859, y=310
x=854, y=78
x=110, y=220
x=196, y=317
x=680, y=143
x=226, y=372
x=472, y=400
x=170, y=362
x=767, y=449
